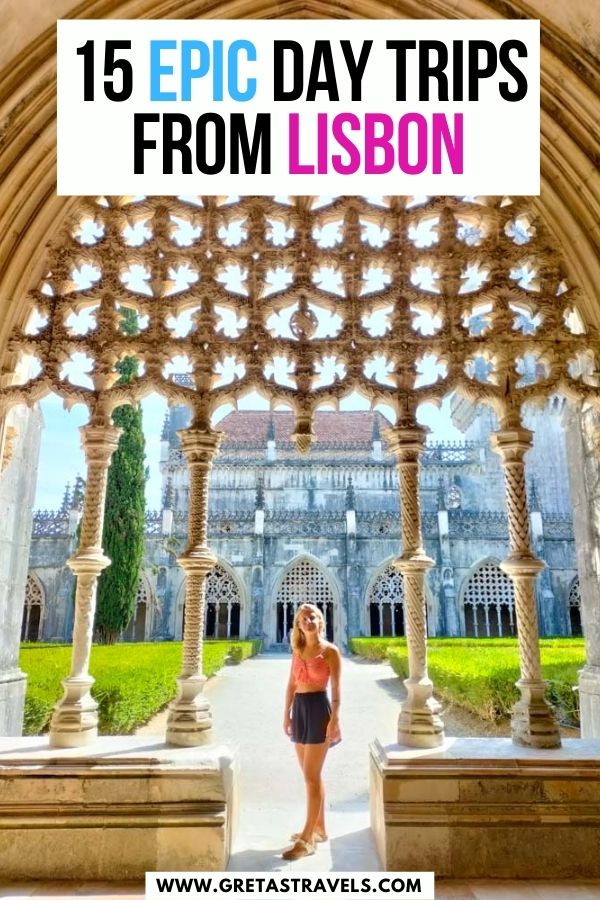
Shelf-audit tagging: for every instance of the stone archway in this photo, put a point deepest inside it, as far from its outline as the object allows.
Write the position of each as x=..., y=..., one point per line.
x=141, y=625
x=478, y=294
x=305, y=580
x=384, y=603
x=488, y=602
x=33, y=609
x=574, y=608
x=226, y=606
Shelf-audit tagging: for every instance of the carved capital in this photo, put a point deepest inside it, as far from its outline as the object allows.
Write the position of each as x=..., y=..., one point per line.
x=99, y=442
x=406, y=443
x=512, y=443
x=200, y=446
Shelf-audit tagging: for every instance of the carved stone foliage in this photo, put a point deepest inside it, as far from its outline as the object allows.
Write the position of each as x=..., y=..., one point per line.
x=306, y=300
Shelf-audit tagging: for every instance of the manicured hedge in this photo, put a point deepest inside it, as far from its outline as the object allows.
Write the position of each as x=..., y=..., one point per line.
x=480, y=674
x=133, y=681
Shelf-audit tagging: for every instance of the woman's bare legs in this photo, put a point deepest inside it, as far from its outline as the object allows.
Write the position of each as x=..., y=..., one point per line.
x=320, y=826
x=311, y=758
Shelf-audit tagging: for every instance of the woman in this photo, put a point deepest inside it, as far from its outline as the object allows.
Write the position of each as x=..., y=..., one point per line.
x=310, y=720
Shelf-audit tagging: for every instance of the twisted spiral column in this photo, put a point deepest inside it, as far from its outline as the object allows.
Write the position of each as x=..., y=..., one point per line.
x=189, y=720
x=419, y=723
x=75, y=719
x=533, y=723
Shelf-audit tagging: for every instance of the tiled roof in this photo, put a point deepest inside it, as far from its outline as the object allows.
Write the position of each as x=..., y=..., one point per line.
x=330, y=427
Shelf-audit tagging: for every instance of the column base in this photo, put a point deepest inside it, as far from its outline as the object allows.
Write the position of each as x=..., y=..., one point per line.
x=189, y=723
x=589, y=701
x=419, y=722
x=532, y=721
x=74, y=721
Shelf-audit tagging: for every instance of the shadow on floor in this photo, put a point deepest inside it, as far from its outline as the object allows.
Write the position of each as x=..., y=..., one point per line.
x=354, y=852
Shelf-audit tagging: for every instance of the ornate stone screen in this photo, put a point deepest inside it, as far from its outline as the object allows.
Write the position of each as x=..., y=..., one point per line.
x=575, y=607
x=386, y=604
x=33, y=610
x=223, y=605
x=304, y=582
x=304, y=299
x=140, y=622
x=489, y=603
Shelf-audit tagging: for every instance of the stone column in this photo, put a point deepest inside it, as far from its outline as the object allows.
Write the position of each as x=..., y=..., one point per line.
x=582, y=434
x=189, y=720
x=75, y=719
x=419, y=723
x=533, y=723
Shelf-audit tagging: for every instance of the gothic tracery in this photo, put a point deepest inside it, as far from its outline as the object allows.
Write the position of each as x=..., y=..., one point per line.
x=306, y=300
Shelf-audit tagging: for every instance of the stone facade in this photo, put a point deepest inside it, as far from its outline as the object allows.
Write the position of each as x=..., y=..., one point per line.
x=327, y=526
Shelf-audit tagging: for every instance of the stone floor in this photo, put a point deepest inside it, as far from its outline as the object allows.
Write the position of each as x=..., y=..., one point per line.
x=247, y=703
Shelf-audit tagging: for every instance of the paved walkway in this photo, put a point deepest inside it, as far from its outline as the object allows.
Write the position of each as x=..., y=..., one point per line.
x=247, y=703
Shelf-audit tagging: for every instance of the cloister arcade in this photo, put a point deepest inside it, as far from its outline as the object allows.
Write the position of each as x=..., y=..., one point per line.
x=306, y=300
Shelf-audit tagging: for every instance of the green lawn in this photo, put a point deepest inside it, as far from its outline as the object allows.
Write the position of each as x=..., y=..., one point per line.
x=133, y=681
x=480, y=674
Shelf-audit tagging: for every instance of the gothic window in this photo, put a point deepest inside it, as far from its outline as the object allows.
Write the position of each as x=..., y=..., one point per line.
x=386, y=604
x=304, y=582
x=223, y=604
x=489, y=603
x=136, y=630
x=575, y=607
x=33, y=610
x=453, y=497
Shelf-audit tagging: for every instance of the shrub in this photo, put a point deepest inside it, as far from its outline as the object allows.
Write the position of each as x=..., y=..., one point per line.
x=480, y=674
x=133, y=681
x=373, y=648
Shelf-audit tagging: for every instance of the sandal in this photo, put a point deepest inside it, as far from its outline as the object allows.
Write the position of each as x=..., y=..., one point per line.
x=318, y=838
x=298, y=850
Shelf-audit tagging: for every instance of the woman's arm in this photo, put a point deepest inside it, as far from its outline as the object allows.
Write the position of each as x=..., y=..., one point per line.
x=289, y=699
x=334, y=660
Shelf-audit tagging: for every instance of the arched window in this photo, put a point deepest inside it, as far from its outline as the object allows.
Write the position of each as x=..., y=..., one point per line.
x=136, y=630
x=386, y=604
x=304, y=582
x=575, y=607
x=33, y=610
x=223, y=605
x=489, y=603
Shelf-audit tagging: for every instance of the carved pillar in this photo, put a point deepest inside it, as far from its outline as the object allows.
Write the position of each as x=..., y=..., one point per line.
x=189, y=720
x=75, y=719
x=419, y=723
x=533, y=723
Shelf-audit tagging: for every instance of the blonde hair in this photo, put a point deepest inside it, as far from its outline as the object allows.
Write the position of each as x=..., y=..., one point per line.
x=298, y=640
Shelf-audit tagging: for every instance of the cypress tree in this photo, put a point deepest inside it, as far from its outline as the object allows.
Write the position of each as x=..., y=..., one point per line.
x=124, y=515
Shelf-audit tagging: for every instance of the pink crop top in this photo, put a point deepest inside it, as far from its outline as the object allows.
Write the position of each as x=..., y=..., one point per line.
x=313, y=671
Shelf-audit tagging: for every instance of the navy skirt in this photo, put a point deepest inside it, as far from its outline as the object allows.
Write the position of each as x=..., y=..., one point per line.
x=310, y=717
